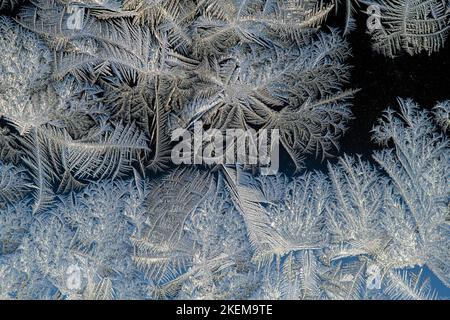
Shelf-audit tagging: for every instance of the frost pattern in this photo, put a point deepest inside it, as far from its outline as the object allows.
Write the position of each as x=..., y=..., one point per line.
x=195, y=234
x=231, y=64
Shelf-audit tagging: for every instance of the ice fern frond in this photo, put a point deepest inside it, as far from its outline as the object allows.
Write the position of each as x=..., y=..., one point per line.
x=299, y=94
x=106, y=151
x=411, y=26
x=9, y=5
x=442, y=115
x=409, y=286
x=13, y=183
x=265, y=23
x=248, y=199
x=418, y=168
x=37, y=159
x=170, y=17
x=277, y=228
